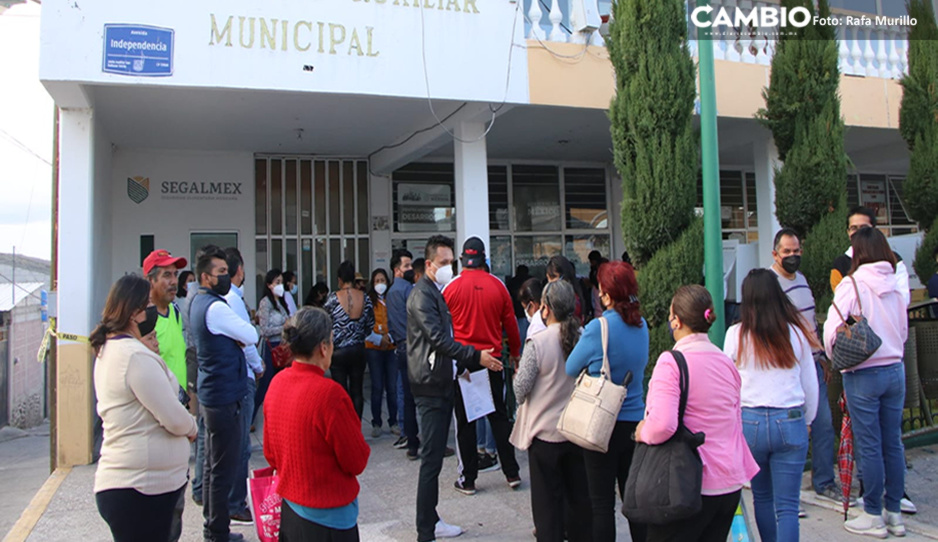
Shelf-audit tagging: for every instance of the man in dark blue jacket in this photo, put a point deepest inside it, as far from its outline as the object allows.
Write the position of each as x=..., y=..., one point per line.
x=220, y=335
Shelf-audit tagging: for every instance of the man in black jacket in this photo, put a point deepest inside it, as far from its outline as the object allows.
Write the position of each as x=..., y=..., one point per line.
x=434, y=360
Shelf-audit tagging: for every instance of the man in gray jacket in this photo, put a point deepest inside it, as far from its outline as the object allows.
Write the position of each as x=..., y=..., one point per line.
x=434, y=360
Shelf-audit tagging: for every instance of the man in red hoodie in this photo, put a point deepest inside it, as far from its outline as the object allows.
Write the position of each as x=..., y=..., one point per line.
x=482, y=312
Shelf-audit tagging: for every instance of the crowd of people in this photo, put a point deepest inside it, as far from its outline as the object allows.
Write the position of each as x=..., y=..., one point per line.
x=181, y=359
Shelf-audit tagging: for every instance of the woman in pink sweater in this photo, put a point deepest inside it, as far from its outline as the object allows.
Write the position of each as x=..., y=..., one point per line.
x=713, y=407
x=875, y=389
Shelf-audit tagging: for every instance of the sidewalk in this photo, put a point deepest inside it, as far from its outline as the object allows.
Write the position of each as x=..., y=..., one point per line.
x=496, y=513
x=24, y=467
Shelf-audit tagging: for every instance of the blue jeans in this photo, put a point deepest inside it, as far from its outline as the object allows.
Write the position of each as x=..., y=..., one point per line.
x=875, y=398
x=822, y=438
x=237, y=500
x=778, y=440
x=409, y=414
x=199, y=459
x=485, y=439
x=383, y=367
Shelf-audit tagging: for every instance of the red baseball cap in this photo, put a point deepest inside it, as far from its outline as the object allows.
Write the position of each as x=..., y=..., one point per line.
x=162, y=258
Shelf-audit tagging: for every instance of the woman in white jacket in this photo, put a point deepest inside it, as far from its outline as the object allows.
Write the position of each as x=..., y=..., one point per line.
x=875, y=389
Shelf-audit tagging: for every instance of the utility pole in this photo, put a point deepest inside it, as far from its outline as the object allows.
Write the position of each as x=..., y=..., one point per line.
x=52, y=361
x=710, y=163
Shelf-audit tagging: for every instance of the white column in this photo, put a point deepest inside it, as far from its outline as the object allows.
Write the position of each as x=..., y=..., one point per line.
x=472, y=184
x=381, y=205
x=765, y=156
x=75, y=279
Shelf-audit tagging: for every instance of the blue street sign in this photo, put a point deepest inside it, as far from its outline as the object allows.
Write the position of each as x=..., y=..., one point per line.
x=138, y=50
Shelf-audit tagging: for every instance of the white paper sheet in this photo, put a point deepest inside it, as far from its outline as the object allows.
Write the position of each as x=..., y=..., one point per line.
x=477, y=395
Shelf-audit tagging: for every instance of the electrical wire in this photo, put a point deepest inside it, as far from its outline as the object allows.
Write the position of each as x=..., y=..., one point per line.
x=426, y=78
x=23, y=147
x=579, y=56
x=33, y=294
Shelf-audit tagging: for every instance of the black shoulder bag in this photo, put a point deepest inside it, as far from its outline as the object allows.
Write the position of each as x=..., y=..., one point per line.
x=665, y=480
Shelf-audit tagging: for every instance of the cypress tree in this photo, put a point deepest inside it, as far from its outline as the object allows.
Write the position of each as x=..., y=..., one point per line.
x=803, y=112
x=918, y=124
x=656, y=152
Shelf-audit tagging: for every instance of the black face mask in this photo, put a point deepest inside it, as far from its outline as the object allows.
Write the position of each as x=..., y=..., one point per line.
x=791, y=263
x=409, y=276
x=223, y=285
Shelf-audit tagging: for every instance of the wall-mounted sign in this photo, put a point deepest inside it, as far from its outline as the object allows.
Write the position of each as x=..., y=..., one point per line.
x=873, y=195
x=138, y=50
x=425, y=207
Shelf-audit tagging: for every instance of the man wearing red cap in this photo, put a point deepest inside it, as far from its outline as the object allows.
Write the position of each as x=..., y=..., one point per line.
x=482, y=312
x=162, y=270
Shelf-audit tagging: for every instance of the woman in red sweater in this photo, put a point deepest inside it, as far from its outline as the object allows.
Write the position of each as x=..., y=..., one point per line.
x=313, y=438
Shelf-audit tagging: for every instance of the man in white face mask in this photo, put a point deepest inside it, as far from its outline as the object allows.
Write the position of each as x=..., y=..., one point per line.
x=434, y=358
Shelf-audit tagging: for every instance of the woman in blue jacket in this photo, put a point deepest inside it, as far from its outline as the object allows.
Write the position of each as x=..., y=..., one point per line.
x=628, y=351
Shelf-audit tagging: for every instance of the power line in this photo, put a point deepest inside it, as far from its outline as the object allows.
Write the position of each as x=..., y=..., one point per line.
x=2, y=276
x=22, y=146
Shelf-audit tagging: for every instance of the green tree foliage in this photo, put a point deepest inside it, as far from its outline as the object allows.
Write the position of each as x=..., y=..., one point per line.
x=654, y=144
x=656, y=151
x=803, y=80
x=826, y=240
x=803, y=112
x=918, y=124
x=925, y=265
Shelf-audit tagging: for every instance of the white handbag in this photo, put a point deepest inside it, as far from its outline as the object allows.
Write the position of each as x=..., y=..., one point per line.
x=590, y=416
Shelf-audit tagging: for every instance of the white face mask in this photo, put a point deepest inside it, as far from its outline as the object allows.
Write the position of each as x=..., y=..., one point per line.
x=528, y=315
x=278, y=290
x=192, y=286
x=444, y=275
x=381, y=288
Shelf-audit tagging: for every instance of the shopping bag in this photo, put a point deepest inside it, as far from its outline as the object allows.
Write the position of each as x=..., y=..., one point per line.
x=265, y=503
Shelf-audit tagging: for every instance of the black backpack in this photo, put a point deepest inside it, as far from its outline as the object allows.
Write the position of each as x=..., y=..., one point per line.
x=665, y=480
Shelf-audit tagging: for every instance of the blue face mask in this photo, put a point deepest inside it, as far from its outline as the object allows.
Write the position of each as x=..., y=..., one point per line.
x=670, y=330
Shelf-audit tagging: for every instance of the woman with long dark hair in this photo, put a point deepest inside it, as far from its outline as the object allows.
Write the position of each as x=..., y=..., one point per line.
x=875, y=389
x=712, y=408
x=379, y=352
x=144, y=461
x=185, y=278
x=560, y=500
x=272, y=314
x=628, y=352
x=772, y=347
x=353, y=319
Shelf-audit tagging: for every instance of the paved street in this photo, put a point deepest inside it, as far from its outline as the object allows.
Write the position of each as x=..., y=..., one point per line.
x=496, y=513
x=24, y=467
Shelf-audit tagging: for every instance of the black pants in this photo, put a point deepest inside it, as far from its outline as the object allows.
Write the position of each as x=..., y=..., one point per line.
x=348, y=369
x=409, y=416
x=435, y=415
x=269, y=373
x=501, y=429
x=175, y=529
x=711, y=524
x=294, y=528
x=223, y=449
x=603, y=471
x=135, y=517
x=560, y=499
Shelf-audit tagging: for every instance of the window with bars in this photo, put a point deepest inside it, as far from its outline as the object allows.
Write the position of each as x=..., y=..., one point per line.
x=535, y=212
x=310, y=215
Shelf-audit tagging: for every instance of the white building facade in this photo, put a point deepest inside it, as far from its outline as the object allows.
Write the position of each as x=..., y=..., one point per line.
x=311, y=133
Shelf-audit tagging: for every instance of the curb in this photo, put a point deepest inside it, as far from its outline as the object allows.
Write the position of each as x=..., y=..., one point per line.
x=911, y=524
x=31, y=515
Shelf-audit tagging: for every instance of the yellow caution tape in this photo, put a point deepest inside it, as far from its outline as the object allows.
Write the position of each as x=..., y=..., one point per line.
x=51, y=332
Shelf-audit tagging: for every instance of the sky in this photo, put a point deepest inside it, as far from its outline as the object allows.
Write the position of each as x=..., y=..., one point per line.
x=26, y=129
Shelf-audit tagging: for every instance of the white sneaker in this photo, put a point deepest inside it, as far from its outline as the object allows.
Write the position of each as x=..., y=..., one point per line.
x=894, y=523
x=907, y=506
x=445, y=530
x=868, y=525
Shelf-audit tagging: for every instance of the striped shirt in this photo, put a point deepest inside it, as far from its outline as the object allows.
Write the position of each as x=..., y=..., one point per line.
x=799, y=293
